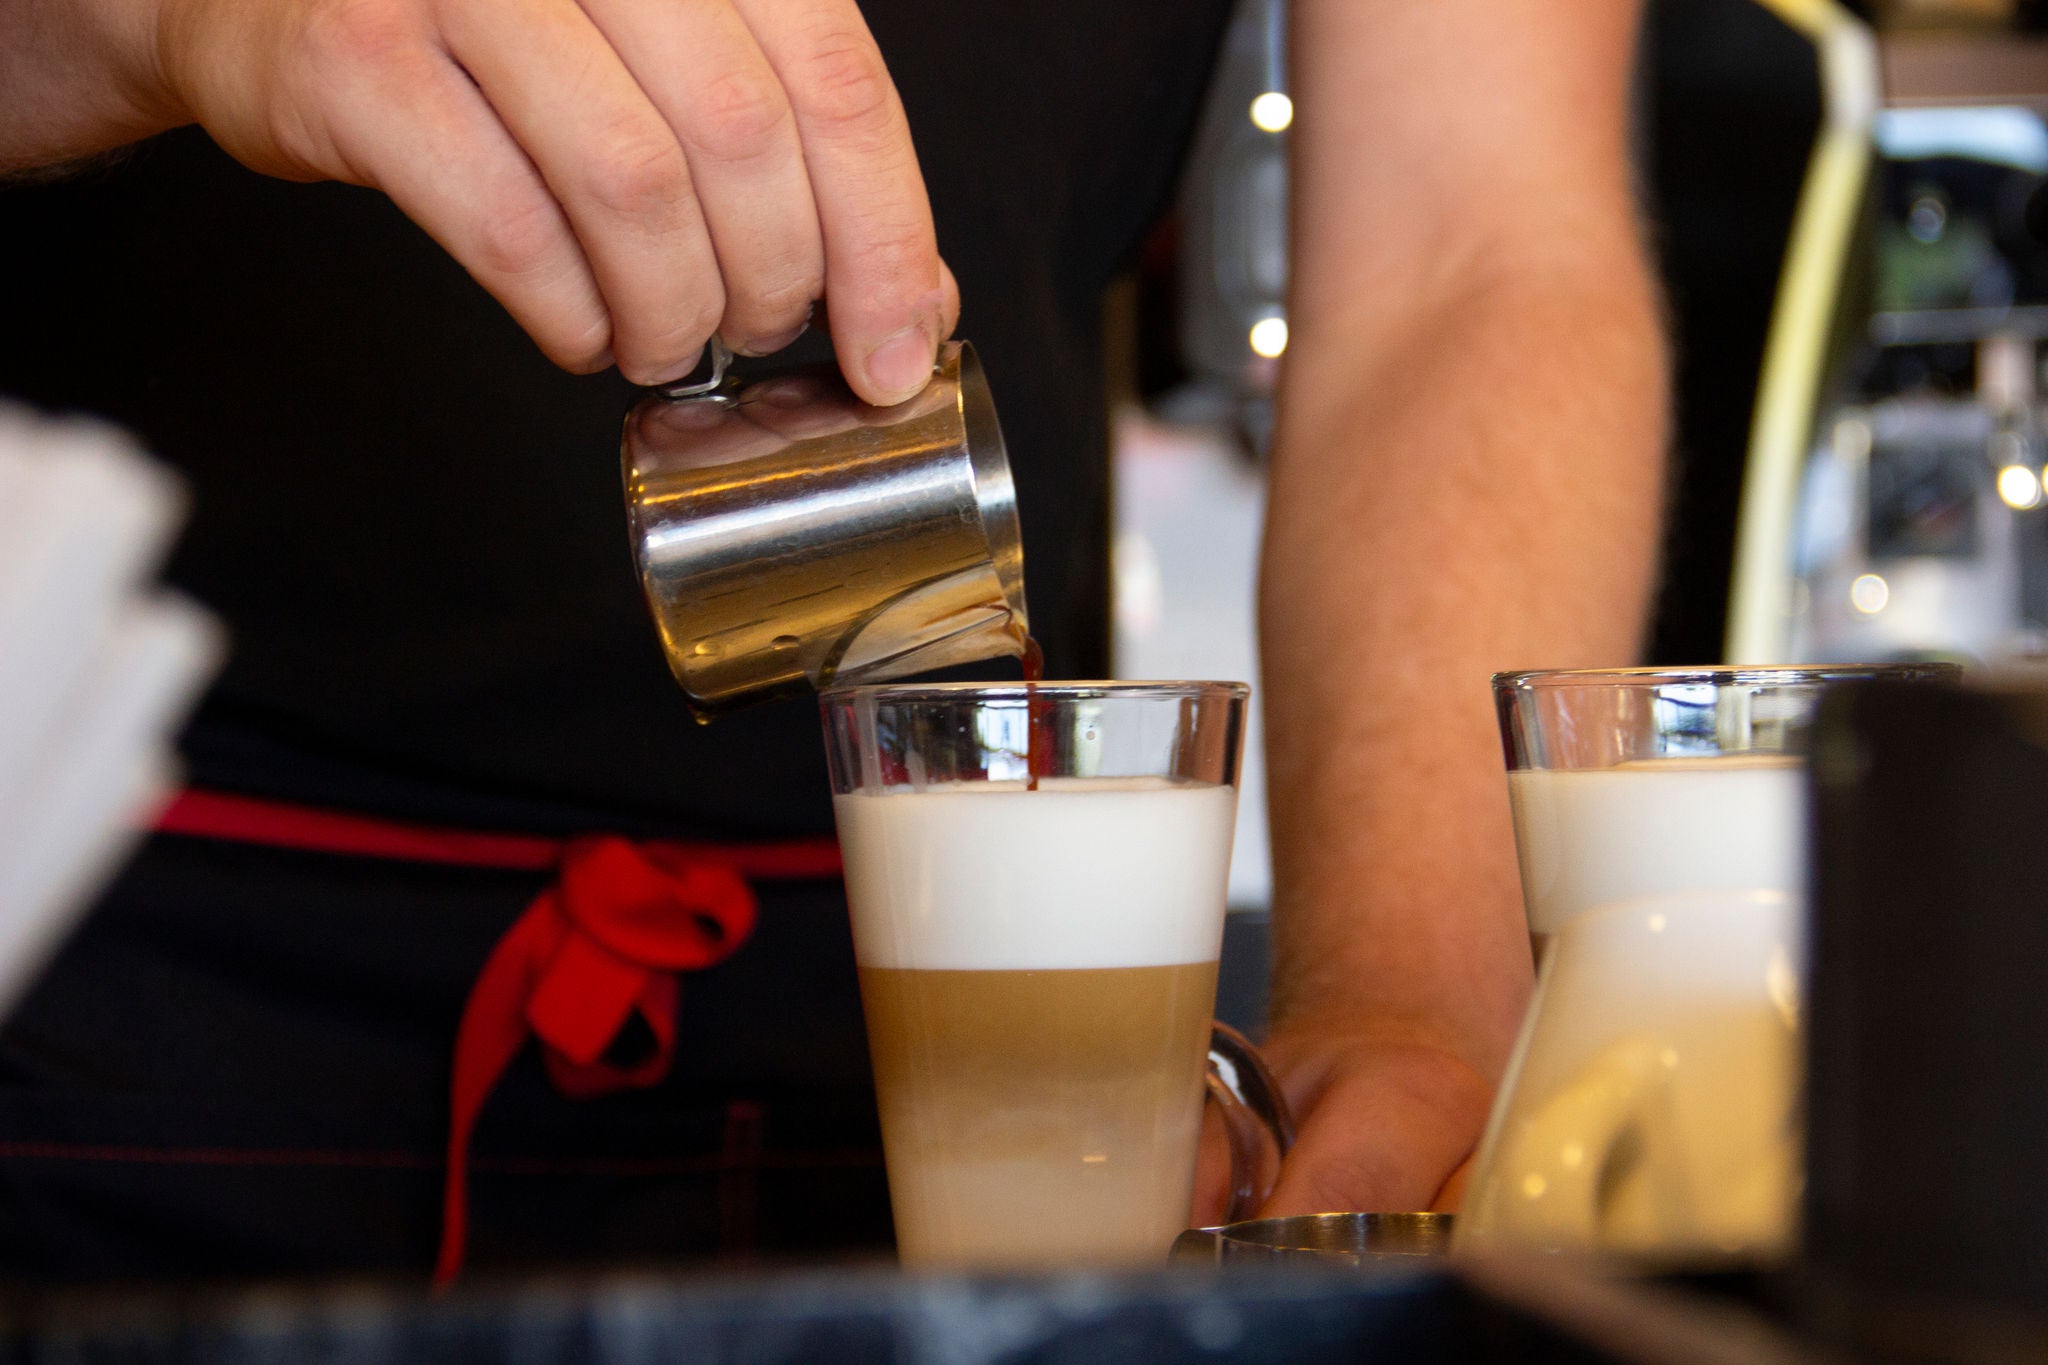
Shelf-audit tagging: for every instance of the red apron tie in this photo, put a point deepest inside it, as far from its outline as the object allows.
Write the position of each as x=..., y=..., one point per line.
x=599, y=945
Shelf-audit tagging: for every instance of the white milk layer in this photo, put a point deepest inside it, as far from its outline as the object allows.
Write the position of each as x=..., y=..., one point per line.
x=1593, y=836
x=1080, y=873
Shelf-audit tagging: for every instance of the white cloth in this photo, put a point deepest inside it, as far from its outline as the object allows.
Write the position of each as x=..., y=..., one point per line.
x=97, y=667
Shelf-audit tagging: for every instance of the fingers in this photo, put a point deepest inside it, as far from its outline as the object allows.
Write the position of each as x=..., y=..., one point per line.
x=710, y=81
x=628, y=176
x=1333, y=1172
x=1381, y=1131
x=1451, y=1197
x=613, y=164
x=949, y=301
x=413, y=125
x=888, y=290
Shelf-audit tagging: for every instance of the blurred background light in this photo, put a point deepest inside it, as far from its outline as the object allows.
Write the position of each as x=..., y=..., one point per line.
x=1869, y=593
x=2020, y=487
x=1272, y=112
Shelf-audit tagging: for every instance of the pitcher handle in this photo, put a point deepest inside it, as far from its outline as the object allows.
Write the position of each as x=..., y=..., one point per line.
x=717, y=359
x=1251, y=1102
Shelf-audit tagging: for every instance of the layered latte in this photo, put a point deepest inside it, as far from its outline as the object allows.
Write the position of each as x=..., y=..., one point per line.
x=1038, y=970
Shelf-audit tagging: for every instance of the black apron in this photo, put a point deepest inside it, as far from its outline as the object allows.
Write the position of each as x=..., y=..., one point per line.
x=412, y=525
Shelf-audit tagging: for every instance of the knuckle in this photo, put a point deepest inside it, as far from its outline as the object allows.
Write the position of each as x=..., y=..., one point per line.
x=517, y=238
x=350, y=54
x=575, y=333
x=582, y=350
x=680, y=334
x=297, y=136
x=352, y=34
x=740, y=116
x=788, y=296
x=843, y=82
x=639, y=177
x=700, y=320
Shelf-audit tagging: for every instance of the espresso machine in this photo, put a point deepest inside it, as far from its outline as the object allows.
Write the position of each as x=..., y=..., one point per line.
x=1922, y=525
x=1894, y=505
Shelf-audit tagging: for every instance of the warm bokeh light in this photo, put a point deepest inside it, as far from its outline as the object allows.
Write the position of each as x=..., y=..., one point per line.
x=1269, y=336
x=1272, y=112
x=1869, y=593
x=2020, y=487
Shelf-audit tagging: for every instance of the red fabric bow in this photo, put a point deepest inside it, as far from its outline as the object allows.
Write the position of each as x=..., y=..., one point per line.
x=599, y=945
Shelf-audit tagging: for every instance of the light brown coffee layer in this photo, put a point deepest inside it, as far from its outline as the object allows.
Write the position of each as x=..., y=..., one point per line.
x=1039, y=1118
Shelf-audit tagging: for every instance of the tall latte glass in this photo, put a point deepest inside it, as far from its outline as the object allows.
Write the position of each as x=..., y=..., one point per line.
x=1036, y=876
x=1636, y=782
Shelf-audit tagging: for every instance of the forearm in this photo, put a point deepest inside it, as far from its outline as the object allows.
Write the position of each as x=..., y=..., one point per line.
x=1470, y=488
x=75, y=80
x=1465, y=478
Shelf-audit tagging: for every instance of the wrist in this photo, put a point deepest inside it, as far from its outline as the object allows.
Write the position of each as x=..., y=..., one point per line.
x=1426, y=952
x=78, y=78
x=1312, y=1038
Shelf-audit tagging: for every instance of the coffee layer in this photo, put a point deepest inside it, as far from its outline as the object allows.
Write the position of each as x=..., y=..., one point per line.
x=1037, y=1119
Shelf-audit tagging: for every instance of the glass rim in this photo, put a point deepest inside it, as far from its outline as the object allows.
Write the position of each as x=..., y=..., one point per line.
x=1717, y=674
x=1071, y=690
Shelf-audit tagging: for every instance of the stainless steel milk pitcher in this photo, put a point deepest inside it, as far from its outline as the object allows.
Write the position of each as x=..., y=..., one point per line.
x=789, y=535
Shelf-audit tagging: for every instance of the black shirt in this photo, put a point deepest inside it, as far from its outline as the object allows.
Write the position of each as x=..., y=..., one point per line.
x=412, y=522
x=239, y=1064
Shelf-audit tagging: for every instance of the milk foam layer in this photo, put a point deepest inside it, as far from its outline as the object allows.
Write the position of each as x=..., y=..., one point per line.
x=1594, y=836
x=1080, y=873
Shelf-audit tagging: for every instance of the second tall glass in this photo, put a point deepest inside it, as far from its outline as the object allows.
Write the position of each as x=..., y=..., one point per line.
x=1631, y=782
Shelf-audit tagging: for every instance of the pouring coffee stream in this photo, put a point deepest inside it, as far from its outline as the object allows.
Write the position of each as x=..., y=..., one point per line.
x=1038, y=753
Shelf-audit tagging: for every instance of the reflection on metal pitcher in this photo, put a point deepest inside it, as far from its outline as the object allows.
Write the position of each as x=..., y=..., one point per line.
x=789, y=535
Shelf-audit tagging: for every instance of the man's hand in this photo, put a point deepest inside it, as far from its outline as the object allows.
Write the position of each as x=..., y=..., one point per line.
x=626, y=176
x=1386, y=1124
x=1422, y=1107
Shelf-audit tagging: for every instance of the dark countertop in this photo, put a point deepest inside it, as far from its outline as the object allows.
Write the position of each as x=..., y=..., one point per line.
x=1438, y=1313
